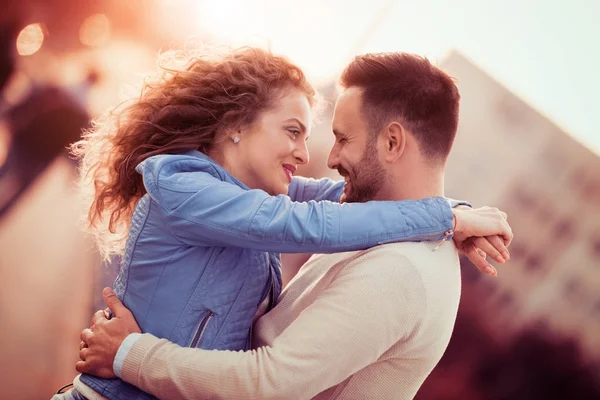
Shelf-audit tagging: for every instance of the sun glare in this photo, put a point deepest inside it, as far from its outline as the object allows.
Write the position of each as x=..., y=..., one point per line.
x=306, y=34
x=30, y=40
x=95, y=30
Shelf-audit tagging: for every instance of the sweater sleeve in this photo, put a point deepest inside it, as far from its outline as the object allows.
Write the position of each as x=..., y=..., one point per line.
x=349, y=326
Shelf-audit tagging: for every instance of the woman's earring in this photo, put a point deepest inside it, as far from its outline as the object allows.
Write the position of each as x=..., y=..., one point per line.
x=236, y=139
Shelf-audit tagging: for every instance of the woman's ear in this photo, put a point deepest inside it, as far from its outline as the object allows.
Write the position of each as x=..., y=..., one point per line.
x=234, y=135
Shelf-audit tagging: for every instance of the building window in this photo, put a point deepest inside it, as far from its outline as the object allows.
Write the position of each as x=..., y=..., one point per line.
x=578, y=178
x=524, y=199
x=546, y=212
x=564, y=230
x=553, y=161
x=517, y=251
x=591, y=192
x=573, y=287
x=534, y=263
x=506, y=299
x=596, y=247
x=596, y=309
x=512, y=111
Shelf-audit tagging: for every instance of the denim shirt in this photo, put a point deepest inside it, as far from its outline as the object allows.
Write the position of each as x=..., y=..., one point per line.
x=203, y=249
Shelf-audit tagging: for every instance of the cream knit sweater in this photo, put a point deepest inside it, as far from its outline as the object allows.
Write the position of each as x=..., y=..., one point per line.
x=359, y=325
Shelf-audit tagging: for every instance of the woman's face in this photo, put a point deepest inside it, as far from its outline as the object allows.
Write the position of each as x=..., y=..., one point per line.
x=270, y=150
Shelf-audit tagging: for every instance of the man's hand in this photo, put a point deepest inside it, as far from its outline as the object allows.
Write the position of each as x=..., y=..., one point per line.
x=479, y=257
x=100, y=343
x=480, y=232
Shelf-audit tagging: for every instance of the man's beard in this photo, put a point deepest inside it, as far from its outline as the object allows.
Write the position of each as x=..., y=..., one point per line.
x=369, y=177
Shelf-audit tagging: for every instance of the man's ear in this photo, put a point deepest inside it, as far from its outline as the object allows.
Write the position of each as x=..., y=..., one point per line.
x=394, y=137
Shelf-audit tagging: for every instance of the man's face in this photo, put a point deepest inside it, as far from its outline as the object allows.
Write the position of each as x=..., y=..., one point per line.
x=354, y=153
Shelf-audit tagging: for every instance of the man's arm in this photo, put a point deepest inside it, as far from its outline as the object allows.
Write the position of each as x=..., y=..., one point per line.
x=349, y=326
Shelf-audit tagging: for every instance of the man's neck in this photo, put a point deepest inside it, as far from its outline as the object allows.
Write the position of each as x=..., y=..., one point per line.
x=413, y=185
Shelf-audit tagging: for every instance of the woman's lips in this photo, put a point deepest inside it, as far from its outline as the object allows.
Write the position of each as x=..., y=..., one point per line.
x=289, y=170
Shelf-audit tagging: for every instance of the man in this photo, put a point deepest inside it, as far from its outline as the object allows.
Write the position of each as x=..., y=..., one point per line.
x=342, y=329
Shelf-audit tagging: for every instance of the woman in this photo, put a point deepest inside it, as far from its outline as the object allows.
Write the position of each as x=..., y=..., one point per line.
x=195, y=175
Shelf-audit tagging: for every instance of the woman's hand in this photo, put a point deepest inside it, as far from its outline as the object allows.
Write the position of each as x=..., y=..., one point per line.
x=482, y=232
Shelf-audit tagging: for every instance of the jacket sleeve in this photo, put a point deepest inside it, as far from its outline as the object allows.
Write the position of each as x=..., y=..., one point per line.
x=305, y=189
x=202, y=210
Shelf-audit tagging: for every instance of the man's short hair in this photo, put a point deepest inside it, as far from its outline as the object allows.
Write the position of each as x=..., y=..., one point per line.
x=407, y=88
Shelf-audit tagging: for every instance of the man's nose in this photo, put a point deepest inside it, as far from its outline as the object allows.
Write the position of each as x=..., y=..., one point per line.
x=333, y=158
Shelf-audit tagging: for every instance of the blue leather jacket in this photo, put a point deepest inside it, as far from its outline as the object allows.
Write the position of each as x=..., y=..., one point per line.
x=203, y=249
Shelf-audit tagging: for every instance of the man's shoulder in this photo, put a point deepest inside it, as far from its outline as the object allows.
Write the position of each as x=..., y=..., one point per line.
x=413, y=253
x=406, y=263
x=385, y=264
x=406, y=255
x=421, y=274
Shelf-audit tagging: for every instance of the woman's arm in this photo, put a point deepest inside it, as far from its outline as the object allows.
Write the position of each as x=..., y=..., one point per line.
x=305, y=189
x=202, y=210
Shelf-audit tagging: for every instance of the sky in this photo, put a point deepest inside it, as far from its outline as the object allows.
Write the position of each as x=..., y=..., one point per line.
x=546, y=52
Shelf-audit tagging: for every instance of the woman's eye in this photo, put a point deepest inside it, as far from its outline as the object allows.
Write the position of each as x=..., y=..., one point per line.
x=294, y=131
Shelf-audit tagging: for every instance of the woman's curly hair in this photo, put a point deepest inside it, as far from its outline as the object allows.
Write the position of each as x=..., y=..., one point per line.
x=184, y=108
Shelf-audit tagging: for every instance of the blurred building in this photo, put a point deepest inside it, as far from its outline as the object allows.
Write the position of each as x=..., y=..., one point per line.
x=508, y=155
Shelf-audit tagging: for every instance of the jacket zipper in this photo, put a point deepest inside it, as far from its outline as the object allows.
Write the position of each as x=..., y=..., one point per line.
x=446, y=236
x=201, y=328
